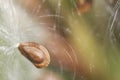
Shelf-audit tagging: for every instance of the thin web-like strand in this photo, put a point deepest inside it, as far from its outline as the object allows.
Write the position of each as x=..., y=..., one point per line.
x=116, y=5
x=36, y=9
x=58, y=13
x=10, y=49
x=12, y=24
x=71, y=59
x=72, y=62
x=57, y=16
x=16, y=19
x=114, y=18
x=74, y=4
x=66, y=52
x=112, y=21
x=13, y=68
x=76, y=60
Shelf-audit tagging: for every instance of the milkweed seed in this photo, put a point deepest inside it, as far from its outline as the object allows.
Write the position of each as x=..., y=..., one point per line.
x=36, y=53
x=84, y=6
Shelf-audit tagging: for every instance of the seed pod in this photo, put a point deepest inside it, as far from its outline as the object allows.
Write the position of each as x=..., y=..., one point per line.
x=84, y=6
x=36, y=53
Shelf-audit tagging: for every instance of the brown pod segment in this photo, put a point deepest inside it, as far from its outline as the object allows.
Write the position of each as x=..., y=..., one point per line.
x=36, y=53
x=84, y=6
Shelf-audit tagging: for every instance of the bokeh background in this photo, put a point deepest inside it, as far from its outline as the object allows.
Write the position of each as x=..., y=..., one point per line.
x=82, y=37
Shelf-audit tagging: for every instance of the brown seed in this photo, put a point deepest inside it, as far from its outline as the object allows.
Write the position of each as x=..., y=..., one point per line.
x=84, y=6
x=36, y=53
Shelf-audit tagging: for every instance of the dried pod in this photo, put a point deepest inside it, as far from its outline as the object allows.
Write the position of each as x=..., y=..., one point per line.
x=36, y=53
x=84, y=6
